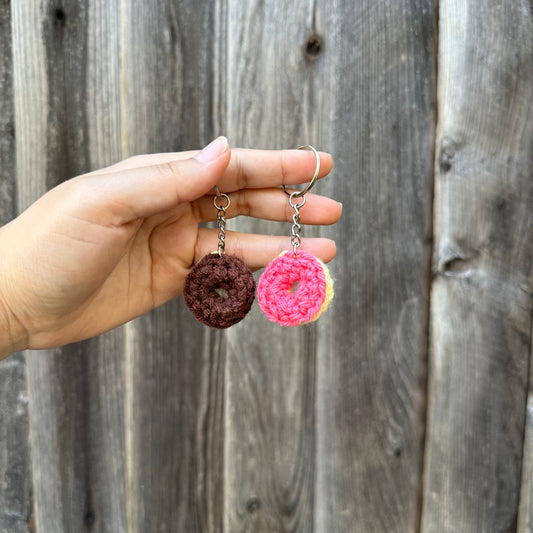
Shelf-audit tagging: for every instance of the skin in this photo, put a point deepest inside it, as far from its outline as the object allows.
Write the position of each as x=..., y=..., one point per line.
x=103, y=248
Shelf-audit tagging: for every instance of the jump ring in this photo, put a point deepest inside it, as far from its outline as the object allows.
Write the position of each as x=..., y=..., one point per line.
x=222, y=195
x=315, y=176
x=296, y=195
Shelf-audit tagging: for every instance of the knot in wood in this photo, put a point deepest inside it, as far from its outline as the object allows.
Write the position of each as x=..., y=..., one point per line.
x=313, y=45
x=59, y=14
x=447, y=153
x=253, y=505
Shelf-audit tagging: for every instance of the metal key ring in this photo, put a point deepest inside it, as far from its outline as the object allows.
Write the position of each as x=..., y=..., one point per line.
x=222, y=207
x=315, y=177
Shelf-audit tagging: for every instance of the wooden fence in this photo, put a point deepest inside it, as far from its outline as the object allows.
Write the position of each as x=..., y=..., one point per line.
x=405, y=408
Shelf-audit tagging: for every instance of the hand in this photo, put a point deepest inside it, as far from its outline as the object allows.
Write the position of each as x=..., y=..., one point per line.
x=106, y=247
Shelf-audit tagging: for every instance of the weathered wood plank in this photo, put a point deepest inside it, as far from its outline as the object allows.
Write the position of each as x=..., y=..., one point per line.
x=323, y=424
x=106, y=510
x=107, y=491
x=174, y=444
x=481, y=298
x=275, y=98
x=13, y=525
x=7, y=121
x=525, y=508
x=30, y=97
x=60, y=437
x=77, y=428
x=372, y=346
x=174, y=369
x=15, y=480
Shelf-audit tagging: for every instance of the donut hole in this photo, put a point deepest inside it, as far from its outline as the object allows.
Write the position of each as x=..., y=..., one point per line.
x=294, y=287
x=223, y=293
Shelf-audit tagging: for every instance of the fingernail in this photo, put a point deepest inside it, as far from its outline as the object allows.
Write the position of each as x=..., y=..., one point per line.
x=213, y=150
x=340, y=203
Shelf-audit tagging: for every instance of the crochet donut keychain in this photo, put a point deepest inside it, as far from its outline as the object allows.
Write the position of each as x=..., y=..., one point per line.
x=220, y=289
x=296, y=287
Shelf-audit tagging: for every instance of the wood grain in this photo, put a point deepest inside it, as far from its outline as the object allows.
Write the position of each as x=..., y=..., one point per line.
x=175, y=366
x=269, y=465
x=372, y=346
x=273, y=460
x=481, y=298
x=15, y=475
x=89, y=401
x=525, y=508
x=106, y=510
x=164, y=425
x=8, y=187
x=76, y=396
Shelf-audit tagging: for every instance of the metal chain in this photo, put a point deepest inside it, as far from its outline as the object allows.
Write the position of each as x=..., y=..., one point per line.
x=221, y=219
x=296, y=239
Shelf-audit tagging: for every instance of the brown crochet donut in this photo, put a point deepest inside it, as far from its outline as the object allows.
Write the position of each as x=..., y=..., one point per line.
x=219, y=290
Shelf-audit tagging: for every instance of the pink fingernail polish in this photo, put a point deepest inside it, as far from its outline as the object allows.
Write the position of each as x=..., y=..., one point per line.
x=213, y=150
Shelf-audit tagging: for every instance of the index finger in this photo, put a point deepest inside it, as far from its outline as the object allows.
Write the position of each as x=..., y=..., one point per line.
x=247, y=169
x=257, y=169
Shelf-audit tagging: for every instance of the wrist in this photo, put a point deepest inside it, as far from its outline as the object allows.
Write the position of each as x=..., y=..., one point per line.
x=13, y=337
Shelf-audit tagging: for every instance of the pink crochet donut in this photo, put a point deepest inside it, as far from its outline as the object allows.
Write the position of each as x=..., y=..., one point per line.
x=277, y=297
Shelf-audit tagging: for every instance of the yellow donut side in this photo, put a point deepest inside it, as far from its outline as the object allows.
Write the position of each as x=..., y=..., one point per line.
x=329, y=291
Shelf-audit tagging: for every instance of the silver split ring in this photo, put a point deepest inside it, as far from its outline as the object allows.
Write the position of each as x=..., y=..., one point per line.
x=315, y=176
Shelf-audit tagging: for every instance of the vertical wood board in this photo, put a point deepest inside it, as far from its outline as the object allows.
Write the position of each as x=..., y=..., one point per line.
x=164, y=425
x=15, y=479
x=372, y=345
x=75, y=392
x=270, y=371
x=525, y=508
x=174, y=367
x=481, y=298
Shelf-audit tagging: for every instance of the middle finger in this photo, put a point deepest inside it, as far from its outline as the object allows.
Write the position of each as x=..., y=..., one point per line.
x=271, y=204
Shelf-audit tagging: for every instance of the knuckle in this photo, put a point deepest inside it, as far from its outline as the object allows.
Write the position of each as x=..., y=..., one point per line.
x=169, y=169
x=289, y=211
x=283, y=167
x=80, y=190
x=240, y=174
x=235, y=247
x=243, y=203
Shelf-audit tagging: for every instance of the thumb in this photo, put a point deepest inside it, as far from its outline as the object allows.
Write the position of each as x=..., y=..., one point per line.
x=143, y=192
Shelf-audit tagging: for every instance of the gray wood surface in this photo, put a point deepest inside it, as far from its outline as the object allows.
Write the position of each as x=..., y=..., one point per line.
x=90, y=413
x=106, y=510
x=403, y=409
x=278, y=476
x=8, y=188
x=15, y=477
x=175, y=369
x=481, y=298
x=525, y=509
x=372, y=347
x=75, y=392
x=269, y=468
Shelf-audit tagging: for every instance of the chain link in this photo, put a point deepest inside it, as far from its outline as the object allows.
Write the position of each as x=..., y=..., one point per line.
x=221, y=219
x=296, y=239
